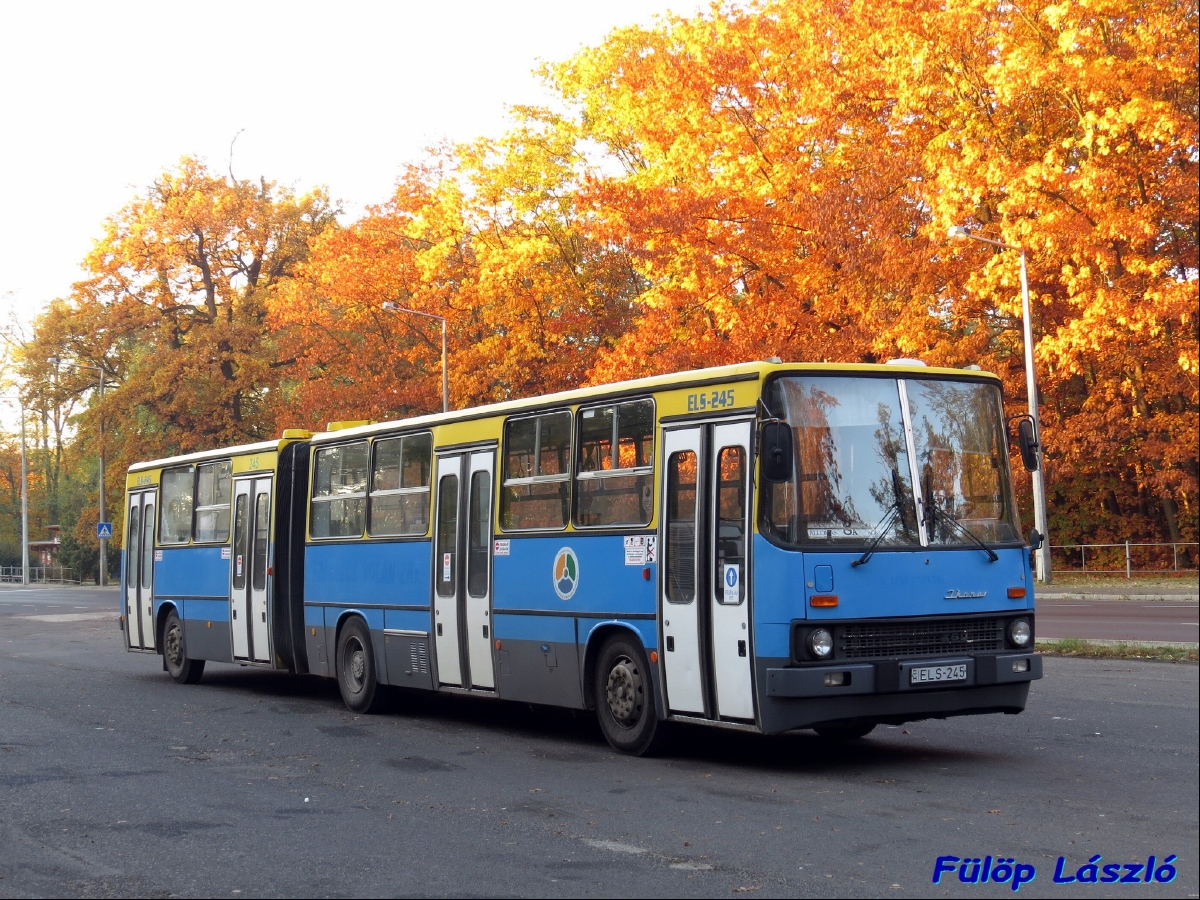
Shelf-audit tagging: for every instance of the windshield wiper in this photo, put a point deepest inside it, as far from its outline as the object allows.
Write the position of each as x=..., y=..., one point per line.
x=895, y=511
x=933, y=512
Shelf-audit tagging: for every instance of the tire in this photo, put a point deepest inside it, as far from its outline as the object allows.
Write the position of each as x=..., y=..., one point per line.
x=845, y=732
x=175, y=658
x=624, y=693
x=356, y=668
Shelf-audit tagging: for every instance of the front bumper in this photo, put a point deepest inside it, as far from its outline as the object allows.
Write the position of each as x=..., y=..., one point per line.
x=885, y=690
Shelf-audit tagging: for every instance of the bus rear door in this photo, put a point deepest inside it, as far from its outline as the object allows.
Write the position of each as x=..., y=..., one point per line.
x=139, y=571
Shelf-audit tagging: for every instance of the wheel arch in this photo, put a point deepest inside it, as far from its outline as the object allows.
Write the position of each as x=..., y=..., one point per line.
x=596, y=639
x=166, y=607
x=376, y=638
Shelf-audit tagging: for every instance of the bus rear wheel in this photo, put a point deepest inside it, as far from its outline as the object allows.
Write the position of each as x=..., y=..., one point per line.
x=356, y=668
x=623, y=690
x=182, y=669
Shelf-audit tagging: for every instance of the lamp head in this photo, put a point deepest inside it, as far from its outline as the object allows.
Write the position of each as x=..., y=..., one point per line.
x=958, y=231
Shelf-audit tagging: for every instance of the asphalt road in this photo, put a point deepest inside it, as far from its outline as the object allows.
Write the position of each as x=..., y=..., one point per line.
x=1168, y=620
x=116, y=782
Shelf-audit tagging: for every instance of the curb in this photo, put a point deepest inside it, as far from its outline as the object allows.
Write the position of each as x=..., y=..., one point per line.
x=1116, y=598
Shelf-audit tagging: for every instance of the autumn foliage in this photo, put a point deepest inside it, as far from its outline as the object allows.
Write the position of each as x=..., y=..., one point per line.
x=773, y=179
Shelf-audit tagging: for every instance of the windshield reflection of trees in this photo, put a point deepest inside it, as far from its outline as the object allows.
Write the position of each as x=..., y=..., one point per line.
x=851, y=466
x=959, y=455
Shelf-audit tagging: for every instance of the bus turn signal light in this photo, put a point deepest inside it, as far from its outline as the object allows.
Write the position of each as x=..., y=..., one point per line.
x=823, y=600
x=1016, y=593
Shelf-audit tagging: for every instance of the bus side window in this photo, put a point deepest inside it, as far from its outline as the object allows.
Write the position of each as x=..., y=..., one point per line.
x=177, y=502
x=615, y=471
x=214, y=483
x=399, y=498
x=339, y=495
x=537, y=472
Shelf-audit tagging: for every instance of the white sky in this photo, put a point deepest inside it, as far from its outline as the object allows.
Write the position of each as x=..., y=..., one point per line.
x=98, y=98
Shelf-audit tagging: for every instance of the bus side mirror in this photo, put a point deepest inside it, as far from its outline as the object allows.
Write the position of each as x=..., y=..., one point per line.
x=776, y=452
x=1027, y=439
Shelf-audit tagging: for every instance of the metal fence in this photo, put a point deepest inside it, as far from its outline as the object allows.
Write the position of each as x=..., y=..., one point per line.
x=1126, y=559
x=39, y=575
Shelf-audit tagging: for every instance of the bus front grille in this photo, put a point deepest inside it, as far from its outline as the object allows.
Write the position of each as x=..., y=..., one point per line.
x=917, y=638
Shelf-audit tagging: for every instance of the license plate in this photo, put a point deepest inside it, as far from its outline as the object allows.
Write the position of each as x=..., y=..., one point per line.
x=930, y=674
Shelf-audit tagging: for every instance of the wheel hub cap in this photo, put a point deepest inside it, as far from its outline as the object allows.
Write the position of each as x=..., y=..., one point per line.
x=624, y=691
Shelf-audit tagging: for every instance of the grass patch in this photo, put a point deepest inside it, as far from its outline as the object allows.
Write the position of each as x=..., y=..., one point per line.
x=1118, y=650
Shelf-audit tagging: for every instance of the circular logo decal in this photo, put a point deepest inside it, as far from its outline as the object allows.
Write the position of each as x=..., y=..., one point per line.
x=566, y=573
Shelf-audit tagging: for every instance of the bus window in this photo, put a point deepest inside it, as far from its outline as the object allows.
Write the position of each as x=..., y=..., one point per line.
x=447, y=535
x=731, y=521
x=340, y=491
x=240, y=560
x=479, y=541
x=176, y=525
x=615, y=468
x=537, y=472
x=681, y=527
x=399, y=500
x=213, y=488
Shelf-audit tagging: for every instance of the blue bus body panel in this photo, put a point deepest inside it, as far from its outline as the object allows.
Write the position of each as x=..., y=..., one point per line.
x=394, y=573
x=556, y=629
x=605, y=585
x=407, y=619
x=203, y=608
x=192, y=572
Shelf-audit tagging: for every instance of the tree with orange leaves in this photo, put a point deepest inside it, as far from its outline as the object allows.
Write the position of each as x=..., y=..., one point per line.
x=484, y=235
x=788, y=174
x=172, y=311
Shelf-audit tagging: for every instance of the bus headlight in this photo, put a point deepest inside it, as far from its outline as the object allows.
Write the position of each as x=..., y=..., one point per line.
x=820, y=643
x=1019, y=632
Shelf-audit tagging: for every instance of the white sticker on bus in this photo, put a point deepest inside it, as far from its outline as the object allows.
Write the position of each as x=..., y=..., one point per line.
x=733, y=574
x=446, y=566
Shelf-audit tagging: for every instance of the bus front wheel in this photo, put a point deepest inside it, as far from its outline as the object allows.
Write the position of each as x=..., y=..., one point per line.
x=356, y=667
x=182, y=669
x=623, y=691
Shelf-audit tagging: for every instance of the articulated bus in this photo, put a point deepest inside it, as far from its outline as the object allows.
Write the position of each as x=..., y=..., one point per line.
x=763, y=546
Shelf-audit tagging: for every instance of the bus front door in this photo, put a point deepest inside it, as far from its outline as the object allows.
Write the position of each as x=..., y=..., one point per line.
x=462, y=570
x=704, y=604
x=248, y=575
x=139, y=572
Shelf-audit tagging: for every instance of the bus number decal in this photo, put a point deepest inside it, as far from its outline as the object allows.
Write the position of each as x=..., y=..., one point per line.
x=144, y=480
x=253, y=463
x=710, y=400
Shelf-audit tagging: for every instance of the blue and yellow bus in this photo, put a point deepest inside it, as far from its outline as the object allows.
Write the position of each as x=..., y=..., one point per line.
x=764, y=547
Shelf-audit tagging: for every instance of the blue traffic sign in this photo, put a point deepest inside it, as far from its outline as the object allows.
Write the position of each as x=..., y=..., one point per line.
x=104, y=530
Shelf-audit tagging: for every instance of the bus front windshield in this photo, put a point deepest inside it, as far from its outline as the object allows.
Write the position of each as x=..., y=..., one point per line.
x=891, y=463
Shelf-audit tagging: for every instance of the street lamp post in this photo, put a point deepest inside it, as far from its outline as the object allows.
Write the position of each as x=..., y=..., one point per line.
x=103, y=510
x=395, y=307
x=24, y=499
x=1042, y=554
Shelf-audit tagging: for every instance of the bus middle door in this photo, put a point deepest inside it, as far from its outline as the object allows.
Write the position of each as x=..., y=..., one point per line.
x=462, y=570
x=248, y=576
